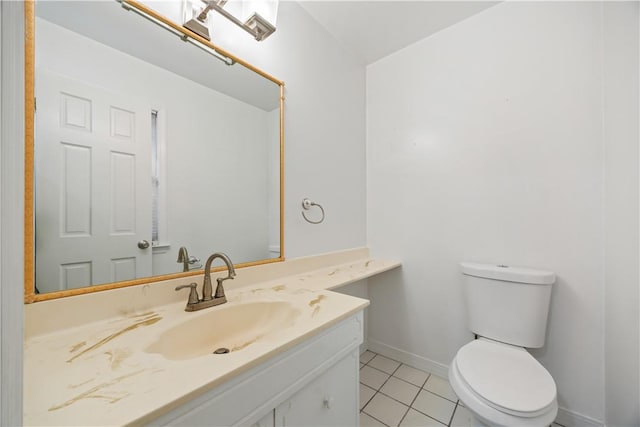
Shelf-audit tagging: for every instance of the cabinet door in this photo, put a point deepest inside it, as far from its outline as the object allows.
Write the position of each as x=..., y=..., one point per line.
x=329, y=400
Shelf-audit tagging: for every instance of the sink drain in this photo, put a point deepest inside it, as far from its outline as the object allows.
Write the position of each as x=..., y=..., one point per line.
x=221, y=350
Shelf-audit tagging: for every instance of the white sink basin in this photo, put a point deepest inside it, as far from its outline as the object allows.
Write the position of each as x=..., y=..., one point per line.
x=233, y=327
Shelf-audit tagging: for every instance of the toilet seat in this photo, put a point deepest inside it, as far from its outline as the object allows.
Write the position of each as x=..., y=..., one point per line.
x=484, y=363
x=506, y=377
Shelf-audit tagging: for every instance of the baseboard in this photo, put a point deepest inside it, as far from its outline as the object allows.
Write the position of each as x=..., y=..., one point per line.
x=565, y=417
x=569, y=418
x=409, y=358
x=364, y=346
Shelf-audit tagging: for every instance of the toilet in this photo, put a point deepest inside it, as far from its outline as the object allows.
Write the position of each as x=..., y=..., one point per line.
x=495, y=378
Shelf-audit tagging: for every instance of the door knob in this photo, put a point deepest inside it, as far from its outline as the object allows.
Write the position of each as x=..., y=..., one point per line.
x=143, y=244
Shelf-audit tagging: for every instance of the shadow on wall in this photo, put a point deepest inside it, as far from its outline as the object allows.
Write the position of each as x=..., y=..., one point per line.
x=389, y=290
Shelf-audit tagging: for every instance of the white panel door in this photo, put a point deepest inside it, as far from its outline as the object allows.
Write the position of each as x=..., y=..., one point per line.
x=93, y=184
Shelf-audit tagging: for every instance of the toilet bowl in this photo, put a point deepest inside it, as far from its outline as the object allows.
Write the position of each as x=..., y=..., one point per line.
x=494, y=376
x=503, y=385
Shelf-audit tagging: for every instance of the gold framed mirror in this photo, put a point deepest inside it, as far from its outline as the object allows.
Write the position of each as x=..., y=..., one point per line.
x=141, y=149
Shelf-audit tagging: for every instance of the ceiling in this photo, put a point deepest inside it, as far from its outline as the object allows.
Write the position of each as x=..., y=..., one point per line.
x=142, y=39
x=373, y=29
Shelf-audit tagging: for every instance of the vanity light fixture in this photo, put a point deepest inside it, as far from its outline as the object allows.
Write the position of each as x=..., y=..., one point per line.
x=147, y=13
x=258, y=16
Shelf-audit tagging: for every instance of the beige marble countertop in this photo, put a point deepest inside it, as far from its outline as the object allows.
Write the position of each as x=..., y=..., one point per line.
x=102, y=372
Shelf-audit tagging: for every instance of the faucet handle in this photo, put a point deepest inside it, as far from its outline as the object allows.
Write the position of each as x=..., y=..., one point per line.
x=220, y=289
x=193, y=293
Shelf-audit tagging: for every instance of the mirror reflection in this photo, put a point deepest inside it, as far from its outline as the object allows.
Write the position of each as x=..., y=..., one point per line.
x=150, y=153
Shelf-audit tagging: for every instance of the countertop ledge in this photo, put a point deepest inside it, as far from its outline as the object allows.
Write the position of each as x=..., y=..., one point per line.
x=338, y=275
x=104, y=373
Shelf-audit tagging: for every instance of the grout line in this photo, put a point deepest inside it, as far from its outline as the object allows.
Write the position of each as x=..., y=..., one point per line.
x=420, y=388
x=409, y=366
x=380, y=370
x=455, y=402
x=379, y=392
x=404, y=416
x=425, y=381
x=375, y=419
x=393, y=398
x=388, y=358
x=407, y=382
x=374, y=356
x=418, y=410
x=453, y=414
x=414, y=397
x=371, y=398
x=408, y=406
x=394, y=371
x=385, y=381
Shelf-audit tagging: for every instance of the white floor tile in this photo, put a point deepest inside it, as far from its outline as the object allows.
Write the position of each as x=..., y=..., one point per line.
x=463, y=418
x=367, y=421
x=412, y=375
x=366, y=393
x=384, y=364
x=435, y=406
x=400, y=390
x=441, y=387
x=386, y=409
x=417, y=419
x=372, y=377
x=367, y=356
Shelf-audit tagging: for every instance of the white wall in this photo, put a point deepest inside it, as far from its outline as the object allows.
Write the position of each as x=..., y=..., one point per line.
x=622, y=324
x=11, y=196
x=324, y=129
x=485, y=143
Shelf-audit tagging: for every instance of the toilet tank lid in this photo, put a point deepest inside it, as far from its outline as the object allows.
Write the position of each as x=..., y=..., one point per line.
x=508, y=273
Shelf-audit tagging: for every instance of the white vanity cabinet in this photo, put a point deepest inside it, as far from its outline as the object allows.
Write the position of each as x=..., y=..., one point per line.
x=314, y=383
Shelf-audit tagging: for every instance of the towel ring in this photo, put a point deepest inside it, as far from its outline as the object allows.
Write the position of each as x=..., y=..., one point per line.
x=306, y=205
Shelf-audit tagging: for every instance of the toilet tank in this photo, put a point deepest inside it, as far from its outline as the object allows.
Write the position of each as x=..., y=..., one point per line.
x=507, y=304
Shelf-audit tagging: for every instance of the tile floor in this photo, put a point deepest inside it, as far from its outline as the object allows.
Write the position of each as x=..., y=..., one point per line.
x=394, y=394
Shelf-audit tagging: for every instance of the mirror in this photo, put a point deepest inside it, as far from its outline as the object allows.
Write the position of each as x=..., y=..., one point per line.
x=144, y=143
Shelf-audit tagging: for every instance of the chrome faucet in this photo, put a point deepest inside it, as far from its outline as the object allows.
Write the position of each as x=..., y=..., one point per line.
x=208, y=299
